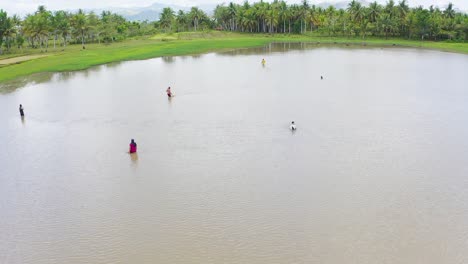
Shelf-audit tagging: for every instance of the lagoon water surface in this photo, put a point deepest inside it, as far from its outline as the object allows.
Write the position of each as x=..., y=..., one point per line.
x=377, y=171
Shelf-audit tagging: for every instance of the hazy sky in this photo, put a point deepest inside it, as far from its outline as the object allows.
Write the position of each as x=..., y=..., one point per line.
x=27, y=6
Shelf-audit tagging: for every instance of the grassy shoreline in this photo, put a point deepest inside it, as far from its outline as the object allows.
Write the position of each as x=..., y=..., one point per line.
x=74, y=58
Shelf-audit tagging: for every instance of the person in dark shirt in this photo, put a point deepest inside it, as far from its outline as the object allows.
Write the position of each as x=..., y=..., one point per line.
x=169, y=93
x=21, y=110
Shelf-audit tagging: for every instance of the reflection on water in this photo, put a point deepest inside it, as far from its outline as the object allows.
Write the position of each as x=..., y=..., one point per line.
x=134, y=158
x=287, y=46
x=38, y=78
x=272, y=48
x=196, y=56
x=375, y=173
x=10, y=86
x=168, y=59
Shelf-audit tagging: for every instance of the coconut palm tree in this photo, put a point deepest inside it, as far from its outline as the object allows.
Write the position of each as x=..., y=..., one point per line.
x=449, y=12
x=302, y=15
x=232, y=13
x=80, y=25
x=374, y=12
x=196, y=14
x=357, y=14
x=283, y=13
x=4, y=25
x=390, y=9
x=249, y=21
x=272, y=19
x=61, y=26
x=331, y=19
x=402, y=11
x=9, y=30
x=166, y=18
x=181, y=19
x=261, y=10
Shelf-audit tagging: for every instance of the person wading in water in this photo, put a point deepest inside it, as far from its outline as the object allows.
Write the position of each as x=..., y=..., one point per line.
x=169, y=93
x=21, y=110
x=292, y=126
x=133, y=146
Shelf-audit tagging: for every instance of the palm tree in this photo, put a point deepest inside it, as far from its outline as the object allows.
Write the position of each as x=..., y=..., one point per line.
x=240, y=16
x=181, y=19
x=343, y=21
x=331, y=20
x=4, y=21
x=374, y=12
x=16, y=23
x=232, y=12
x=272, y=19
x=402, y=10
x=386, y=24
x=196, y=14
x=61, y=25
x=283, y=13
x=167, y=17
x=357, y=14
x=9, y=31
x=390, y=8
x=312, y=17
x=249, y=21
x=94, y=26
x=261, y=13
x=80, y=25
x=42, y=25
x=41, y=9
x=449, y=12
x=422, y=21
x=303, y=13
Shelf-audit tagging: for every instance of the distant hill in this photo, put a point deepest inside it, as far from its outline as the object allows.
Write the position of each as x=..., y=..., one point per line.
x=150, y=13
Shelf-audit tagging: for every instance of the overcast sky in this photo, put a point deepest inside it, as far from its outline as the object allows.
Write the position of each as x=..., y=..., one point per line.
x=27, y=6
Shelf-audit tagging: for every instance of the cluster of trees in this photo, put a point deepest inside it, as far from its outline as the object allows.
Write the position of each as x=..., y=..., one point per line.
x=44, y=27
x=389, y=20
x=195, y=19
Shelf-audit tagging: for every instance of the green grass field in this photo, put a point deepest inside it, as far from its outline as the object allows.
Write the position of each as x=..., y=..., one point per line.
x=75, y=58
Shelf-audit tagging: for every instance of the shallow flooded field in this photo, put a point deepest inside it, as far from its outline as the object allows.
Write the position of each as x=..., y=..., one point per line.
x=377, y=171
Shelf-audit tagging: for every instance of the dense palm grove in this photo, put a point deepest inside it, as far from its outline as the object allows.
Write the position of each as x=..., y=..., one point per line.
x=45, y=28
x=396, y=20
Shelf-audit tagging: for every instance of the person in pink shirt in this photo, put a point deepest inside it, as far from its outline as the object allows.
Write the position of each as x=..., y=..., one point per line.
x=133, y=146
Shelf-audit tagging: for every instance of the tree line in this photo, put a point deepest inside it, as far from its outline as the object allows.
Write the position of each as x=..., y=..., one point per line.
x=44, y=28
x=389, y=20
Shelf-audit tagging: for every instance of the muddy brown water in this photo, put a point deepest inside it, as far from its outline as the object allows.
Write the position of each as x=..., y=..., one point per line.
x=377, y=171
